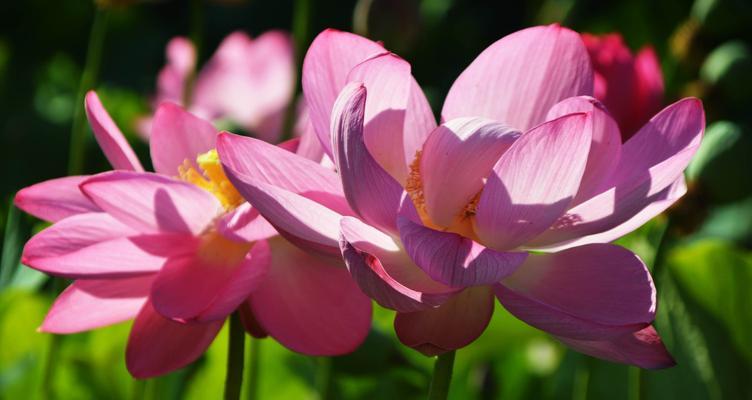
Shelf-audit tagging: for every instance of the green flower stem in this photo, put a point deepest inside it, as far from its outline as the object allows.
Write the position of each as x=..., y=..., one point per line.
x=254, y=355
x=442, y=377
x=88, y=78
x=235, y=358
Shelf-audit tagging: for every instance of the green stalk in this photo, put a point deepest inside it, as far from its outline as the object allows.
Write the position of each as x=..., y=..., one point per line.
x=324, y=377
x=300, y=27
x=88, y=79
x=442, y=377
x=254, y=354
x=235, y=356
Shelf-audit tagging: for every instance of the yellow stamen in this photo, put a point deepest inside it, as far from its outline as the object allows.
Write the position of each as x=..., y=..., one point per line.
x=463, y=224
x=211, y=178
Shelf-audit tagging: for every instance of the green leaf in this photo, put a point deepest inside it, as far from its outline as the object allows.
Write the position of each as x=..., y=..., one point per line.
x=12, y=244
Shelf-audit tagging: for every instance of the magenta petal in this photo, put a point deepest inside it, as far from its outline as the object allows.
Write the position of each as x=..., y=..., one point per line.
x=178, y=136
x=327, y=63
x=158, y=345
x=456, y=159
x=605, y=148
x=89, y=303
x=592, y=292
x=516, y=80
x=452, y=325
x=455, y=260
x=533, y=183
x=371, y=192
x=112, y=142
x=384, y=271
x=210, y=283
x=181, y=59
x=311, y=305
x=152, y=203
x=251, y=160
x=55, y=199
x=643, y=348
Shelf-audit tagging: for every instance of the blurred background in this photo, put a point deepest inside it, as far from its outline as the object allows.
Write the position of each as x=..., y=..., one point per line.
x=700, y=251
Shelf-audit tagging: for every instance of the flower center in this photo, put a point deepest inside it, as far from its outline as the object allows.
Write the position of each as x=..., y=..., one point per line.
x=211, y=178
x=463, y=223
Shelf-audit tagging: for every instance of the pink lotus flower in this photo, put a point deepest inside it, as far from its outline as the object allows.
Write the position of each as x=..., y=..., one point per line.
x=444, y=217
x=179, y=250
x=247, y=81
x=631, y=87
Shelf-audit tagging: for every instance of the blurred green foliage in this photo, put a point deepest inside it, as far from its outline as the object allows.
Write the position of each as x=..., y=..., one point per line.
x=703, y=269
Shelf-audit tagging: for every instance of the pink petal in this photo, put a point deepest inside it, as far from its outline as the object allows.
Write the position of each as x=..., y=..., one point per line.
x=311, y=305
x=592, y=292
x=391, y=137
x=534, y=182
x=96, y=246
x=656, y=204
x=455, y=260
x=89, y=304
x=516, y=80
x=181, y=60
x=452, y=325
x=249, y=81
x=158, y=345
x=327, y=63
x=112, y=142
x=652, y=161
x=248, y=160
x=648, y=89
x=371, y=192
x=55, y=199
x=245, y=224
x=178, y=136
x=384, y=271
x=153, y=203
x=209, y=284
x=456, y=159
x=605, y=148
x=643, y=348
x=300, y=220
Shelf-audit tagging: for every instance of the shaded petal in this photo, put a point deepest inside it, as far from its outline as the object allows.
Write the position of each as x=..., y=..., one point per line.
x=311, y=305
x=533, y=183
x=210, y=283
x=652, y=161
x=592, y=292
x=302, y=221
x=387, y=79
x=648, y=89
x=371, y=192
x=456, y=159
x=245, y=224
x=249, y=160
x=516, y=80
x=90, y=303
x=455, y=260
x=452, y=325
x=112, y=142
x=152, y=203
x=178, y=136
x=384, y=271
x=643, y=348
x=329, y=59
x=109, y=258
x=605, y=148
x=158, y=345
x=55, y=199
